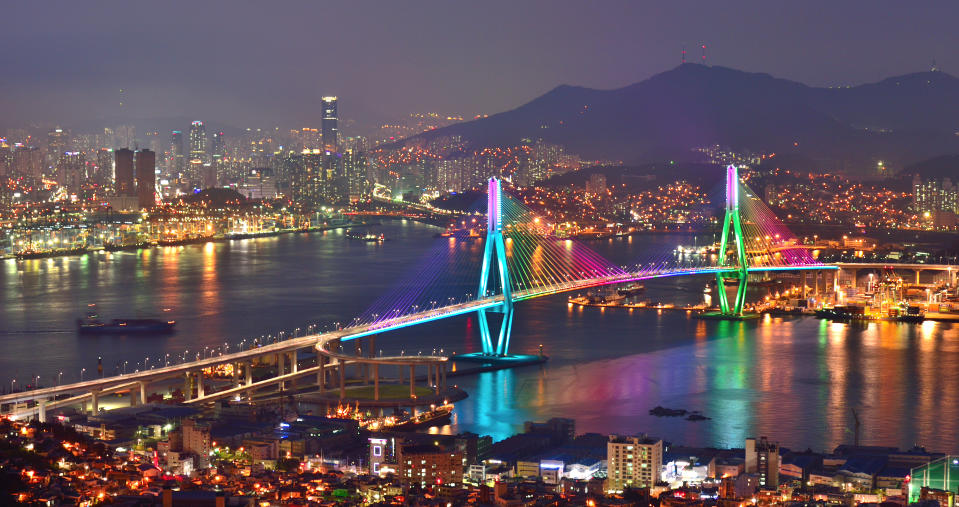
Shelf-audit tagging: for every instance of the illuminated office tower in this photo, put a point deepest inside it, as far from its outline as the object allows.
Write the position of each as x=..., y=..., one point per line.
x=330, y=130
x=146, y=178
x=197, y=155
x=198, y=141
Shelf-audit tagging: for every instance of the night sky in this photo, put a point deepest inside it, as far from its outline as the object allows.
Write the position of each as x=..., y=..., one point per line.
x=267, y=63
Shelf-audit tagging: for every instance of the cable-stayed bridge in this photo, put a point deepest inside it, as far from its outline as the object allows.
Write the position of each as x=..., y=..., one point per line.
x=522, y=259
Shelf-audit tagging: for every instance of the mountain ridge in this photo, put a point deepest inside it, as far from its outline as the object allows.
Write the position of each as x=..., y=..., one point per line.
x=899, y=119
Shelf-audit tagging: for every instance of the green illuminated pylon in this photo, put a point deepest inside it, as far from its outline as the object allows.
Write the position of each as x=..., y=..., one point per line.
x=495, y=246
x=741, y=272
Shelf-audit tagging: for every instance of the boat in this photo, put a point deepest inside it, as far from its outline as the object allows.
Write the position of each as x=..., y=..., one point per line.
x=633, y=289
x=435, y=417
x=252, y=235
x=52, y=252
x=189, y=240
x=368, y=237
x=92, y=324
x=118, y=247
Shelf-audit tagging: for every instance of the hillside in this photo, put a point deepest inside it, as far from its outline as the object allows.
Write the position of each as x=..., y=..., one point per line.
x=900, y=119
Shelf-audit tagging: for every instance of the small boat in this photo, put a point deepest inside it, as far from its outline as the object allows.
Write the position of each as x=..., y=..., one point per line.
x=434, y=417
x=368, y=237
x=92, y=324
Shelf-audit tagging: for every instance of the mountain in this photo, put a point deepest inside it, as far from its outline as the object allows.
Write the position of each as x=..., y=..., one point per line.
x=945, y=166
x=898, y=120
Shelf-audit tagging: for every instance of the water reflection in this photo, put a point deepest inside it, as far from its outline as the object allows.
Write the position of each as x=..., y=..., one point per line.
x=795, y=380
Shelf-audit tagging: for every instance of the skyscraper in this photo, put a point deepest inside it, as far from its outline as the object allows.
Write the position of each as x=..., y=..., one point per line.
x=217, y=152
x=177, y=156
x=198, y=157
x=124, y=173
x=146, y=178
x=198, y=142
x=56, y=145
x=330, y=131
x=104, y=171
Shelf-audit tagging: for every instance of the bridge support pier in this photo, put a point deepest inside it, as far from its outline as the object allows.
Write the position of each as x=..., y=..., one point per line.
x=342, y=380
x=95, y=401
x=42, y=410
x=495, y=251
x=412, y=381
x=143, y=392
x=199, y=384
x=376, y=382
x=732, y=225
x=248, y=372
x=321, y=374
x=187, y=387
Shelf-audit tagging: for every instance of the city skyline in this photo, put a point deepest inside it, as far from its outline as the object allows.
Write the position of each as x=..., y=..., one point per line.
x=477, y=67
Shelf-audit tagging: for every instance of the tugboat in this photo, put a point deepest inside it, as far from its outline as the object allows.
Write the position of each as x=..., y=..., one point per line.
x=92, y=324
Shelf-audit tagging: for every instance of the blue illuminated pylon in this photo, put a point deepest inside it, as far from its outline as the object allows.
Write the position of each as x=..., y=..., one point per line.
x=495, y=246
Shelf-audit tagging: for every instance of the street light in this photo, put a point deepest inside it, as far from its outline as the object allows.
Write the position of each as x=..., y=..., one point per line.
x=59, y=377
x=12, y=382
x=82, y=371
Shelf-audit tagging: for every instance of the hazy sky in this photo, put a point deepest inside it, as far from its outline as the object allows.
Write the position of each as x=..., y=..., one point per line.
x=267, y=63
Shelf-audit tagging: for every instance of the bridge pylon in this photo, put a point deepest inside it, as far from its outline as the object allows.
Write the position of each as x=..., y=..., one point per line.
x=732, y=226
x=494, y=259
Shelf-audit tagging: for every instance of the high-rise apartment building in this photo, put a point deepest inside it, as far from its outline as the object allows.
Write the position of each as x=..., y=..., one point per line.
x=330, y=130
x=426, y=464
x=633, y=462
x=123, y=184
x=762, y=459
x=934, y=194
x=57, y=140
x=71, y=170
x=146, y=178
x=104, y=171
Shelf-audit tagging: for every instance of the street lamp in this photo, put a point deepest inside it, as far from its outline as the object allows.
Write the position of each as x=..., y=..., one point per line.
x=82, y=371
x=12, y=382
x=59, y=377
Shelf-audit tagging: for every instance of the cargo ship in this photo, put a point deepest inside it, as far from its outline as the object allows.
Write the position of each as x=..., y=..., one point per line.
x=92, y=324
x=50, y=252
